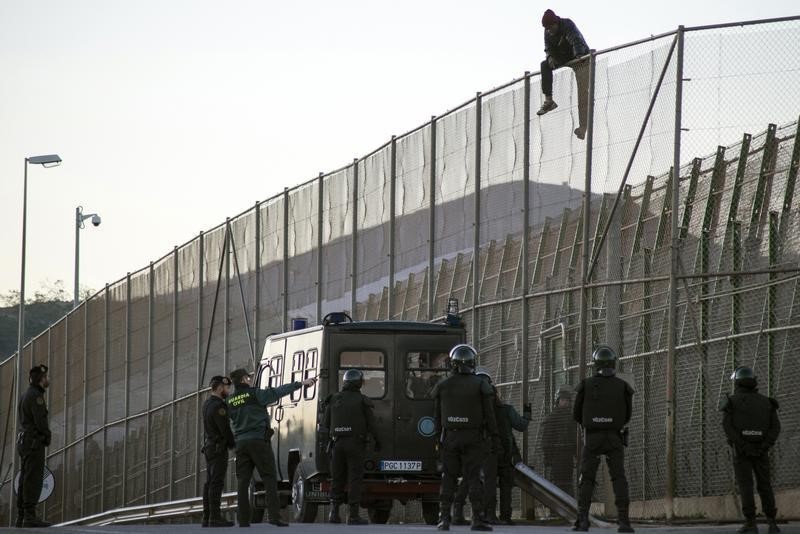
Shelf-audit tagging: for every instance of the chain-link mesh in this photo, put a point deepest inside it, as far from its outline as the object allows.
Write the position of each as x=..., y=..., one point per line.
x=400, y=234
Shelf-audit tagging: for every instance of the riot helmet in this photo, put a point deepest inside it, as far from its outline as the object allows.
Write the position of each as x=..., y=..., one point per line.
x=462, y=358
x=484, y=373
x=604, y=357
x=353, y=379
x=744, y=376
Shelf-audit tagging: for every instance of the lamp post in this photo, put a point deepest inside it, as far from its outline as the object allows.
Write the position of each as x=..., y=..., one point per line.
x=79, y=220
x=50, y=160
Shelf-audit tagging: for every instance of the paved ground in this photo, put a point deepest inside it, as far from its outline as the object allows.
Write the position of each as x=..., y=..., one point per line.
x=793, y=528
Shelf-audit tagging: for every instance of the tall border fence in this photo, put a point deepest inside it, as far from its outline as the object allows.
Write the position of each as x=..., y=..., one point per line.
x=671, y=232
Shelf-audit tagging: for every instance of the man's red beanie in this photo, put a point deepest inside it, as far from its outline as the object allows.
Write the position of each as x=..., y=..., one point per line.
x=549, y=18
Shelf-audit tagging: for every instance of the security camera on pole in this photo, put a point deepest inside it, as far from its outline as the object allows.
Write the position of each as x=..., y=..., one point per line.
x=79, y=220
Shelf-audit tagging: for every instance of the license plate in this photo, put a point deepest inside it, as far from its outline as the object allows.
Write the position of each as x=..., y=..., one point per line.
x=400, y=465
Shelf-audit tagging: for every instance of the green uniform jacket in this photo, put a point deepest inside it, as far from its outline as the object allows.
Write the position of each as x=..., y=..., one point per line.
x=247, y=409
x=33, y=417
x=508, y=420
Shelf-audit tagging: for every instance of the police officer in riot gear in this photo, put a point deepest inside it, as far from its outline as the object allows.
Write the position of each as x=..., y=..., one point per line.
x=32, y=440
x=218, y=438
x=603, y=407
x=752, y=427
x=465, y=421
x=349, y=419
x=498, y=466
x=252, y=432
x=559, y=442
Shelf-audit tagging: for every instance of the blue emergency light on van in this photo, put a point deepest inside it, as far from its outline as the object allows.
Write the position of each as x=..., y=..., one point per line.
x=299, y=323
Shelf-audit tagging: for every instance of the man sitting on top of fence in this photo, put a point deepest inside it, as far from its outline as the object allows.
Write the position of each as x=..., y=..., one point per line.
x=564, y=43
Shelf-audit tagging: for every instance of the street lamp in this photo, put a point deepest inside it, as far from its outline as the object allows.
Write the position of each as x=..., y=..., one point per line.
x=50, y=160
x=79, y=220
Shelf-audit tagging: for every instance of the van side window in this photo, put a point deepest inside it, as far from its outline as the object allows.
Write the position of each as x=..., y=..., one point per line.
x=309, y=392
x=372, y=363
x=275, y=372
x=424, y=369
x=298, y=368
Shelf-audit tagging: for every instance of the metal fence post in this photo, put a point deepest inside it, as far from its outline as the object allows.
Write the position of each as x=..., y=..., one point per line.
x=225, y=313
x=526, y=235
x=85, y=404
x=432, y=223
x=257, y=304
x=772, y=295
x=106, y=357
x=476, y=227
x=583, y=329
x=354, y=263
x=127, y=387
x=285, y=290
x=673, y=287
x=392, y=209
x=320, y=223
x=175, y=287
x=150, y=343
x=65, y=398
x=200, y=284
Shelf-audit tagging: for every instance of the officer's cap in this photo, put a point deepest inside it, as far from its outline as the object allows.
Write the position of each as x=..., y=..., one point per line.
x=217, y=380
x=238, y=374
x=37, y=372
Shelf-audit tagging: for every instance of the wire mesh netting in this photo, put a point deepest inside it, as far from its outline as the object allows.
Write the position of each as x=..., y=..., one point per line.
x=486, y=207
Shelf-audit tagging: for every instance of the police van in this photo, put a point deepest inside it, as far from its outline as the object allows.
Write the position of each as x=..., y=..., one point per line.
x=402, y=361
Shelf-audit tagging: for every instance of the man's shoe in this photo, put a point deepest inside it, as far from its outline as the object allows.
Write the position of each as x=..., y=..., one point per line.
x=18, y=522
x=582, y=523
x=334, y=516
x=580, y=132
x=443, y=525
x=547, y=106
x=458, y=515
x=749, y=527
x=34, y=523
x=507, y=521
x=625, y=527
x=773, y=526
x=357, y=520
x=492, y=520
x=244, y=525
x=219, y=522
x=278, y=523
x=480, y=526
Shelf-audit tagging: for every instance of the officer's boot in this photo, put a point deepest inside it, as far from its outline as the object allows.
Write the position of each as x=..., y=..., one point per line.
x=749, y=526
x=354, y=517
x=206, y=508
x=20, y=518
x=458, y=515
x=624, y=521
x=479, y=523
x=31, y=521
x=334, y=516
x=444, y=521
x=582, y=522
x=773, y=526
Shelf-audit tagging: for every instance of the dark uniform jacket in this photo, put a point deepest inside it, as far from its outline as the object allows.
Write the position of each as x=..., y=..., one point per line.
x=247, y=409
x=33, y=418
x=217, y=426
x=508, y=420
x=464, y=401
x=567, y=44
x=750, y=421
x=349, y=413
x=603, y=402
x=559, y=436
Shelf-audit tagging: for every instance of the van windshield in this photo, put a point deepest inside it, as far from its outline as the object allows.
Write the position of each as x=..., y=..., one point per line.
x=372, y=364
x=424, y=369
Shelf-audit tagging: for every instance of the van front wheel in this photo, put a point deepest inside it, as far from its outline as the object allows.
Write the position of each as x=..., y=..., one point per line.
x=302, y=510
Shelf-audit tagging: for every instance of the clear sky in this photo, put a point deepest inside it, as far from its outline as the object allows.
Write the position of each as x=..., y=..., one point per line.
x=171, y=115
